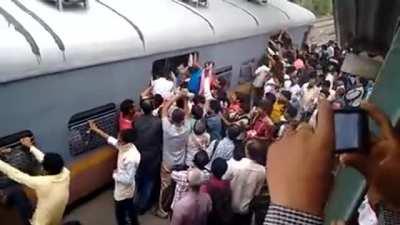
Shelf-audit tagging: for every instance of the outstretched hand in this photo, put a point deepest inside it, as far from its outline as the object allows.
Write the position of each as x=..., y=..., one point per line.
x=92, y=125
x=381, y=167
x=299, y=165
x=27, y=142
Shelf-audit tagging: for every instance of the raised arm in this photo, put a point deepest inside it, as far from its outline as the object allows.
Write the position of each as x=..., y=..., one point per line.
x=110, y=139
x=146, y=94
x=18, y=176
x=168, y=104
x=27, y=142
x=93, y=127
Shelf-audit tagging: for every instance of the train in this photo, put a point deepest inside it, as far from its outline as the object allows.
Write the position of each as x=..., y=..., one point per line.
x=61, y=68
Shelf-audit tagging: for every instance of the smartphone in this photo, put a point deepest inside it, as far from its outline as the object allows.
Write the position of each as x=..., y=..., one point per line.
x=351, y=130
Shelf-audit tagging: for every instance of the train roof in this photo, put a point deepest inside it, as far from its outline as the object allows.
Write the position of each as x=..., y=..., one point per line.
x=38, y=39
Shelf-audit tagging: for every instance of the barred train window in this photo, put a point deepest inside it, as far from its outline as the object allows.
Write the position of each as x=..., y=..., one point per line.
x=80, y=140
x=14, y=153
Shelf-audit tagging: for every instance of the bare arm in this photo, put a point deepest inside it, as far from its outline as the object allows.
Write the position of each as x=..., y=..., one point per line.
x=146, y=94
x=168, y=104
x=18, y=176
x=224, y=120
x=27, y=142
x=93, y=127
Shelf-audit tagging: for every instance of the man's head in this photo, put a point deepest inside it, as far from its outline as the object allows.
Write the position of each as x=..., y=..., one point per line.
x=266, y=106
x=215, y=107
x=195, y=179
x=323, y=94
x=197, y=112
x=326, y=84
x=285, y=96
x=238, y=151
x=158, y=100
x=233, y=132
x=147, y=107
x=256, y=151
x=128, y=136
x=199, y=100
x=177, y=116
x=219, y=167
x=291, y=112
x=127, y=107
x=270, y=97
x=199, y=127
x=52, y=163
x=201, y=159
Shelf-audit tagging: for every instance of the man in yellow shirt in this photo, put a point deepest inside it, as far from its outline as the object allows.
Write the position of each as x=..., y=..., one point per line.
x=52, y=189
x=280, y=105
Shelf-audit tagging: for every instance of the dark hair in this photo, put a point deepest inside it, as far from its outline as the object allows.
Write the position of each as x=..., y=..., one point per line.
x=197, y=112
x=53, y=163
x=270, y=96
x=219, y=167
x=266, y=105
x=158, y=100
x=147, y=106
x=233, y=132
x=128, y=135
x=126, y=107
x=180, y=103
x=199, y=99
x=256, y=151
x=201, y=159
x=178, y=116
x=291, y=111
x=326, y=84
x=199, y=127
x=215, y=106
x=238, y=151
x=287, y=94
x=290, y=69
x=325, y=92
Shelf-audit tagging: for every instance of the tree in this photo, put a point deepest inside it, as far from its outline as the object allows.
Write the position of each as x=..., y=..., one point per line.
x=319, y=7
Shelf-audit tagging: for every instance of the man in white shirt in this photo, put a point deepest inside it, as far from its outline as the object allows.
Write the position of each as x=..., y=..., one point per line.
x=124, y=175
x=248, y=177
x=163, y=87
x=176, y=129
x=310, y=93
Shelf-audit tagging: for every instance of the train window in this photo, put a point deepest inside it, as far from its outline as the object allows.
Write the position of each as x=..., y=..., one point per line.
x=14, y=153
x=224, y=74
x=246, y=71
x=164, y=66
x=80, y=140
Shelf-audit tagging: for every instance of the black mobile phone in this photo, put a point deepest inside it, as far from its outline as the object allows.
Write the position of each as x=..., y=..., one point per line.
x=351, y=130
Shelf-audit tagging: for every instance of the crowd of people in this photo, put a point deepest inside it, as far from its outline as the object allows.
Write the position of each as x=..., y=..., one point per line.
x=199, y=154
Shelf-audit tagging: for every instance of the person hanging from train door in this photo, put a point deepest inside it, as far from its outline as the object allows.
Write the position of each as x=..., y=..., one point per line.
x=51, y=189
x=124, y=175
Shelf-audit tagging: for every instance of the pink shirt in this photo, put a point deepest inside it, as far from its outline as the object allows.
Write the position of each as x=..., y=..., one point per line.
x=299, y=64
x=124, y=124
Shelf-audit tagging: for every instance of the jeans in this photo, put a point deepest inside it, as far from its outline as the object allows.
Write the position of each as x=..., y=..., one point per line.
x=145, y=191
x=125, y=212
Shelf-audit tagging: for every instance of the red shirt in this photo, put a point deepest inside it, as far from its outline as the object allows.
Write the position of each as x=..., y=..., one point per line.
x=124, y=123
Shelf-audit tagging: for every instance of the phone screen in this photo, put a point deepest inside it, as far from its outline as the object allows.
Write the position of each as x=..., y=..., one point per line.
x=350, y=127
x=347, y=132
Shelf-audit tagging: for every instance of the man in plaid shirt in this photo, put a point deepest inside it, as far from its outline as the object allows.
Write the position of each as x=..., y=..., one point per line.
x=300, y=184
